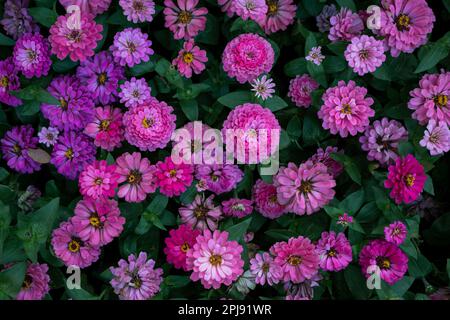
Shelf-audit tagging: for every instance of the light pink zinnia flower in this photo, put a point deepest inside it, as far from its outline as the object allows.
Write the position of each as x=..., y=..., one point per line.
x=183, y=19
x=265, y=269
x=190, y=58
x=280, y=14
x=334, y=250
x=214, y=260
x=250, y=9
x=32, y=55
x=300, y=89
x=173, y=179
x=396, y=232
x=107, y=128
x=134, y=92
x=236, y=207
x=315, y=55
x=35, y=285
x=304, y=189
x=201, y=214
x=131, y=46
x=263, y=87
x=98, y=180
x=138, y=10
x=345, y=25
x=266, y=202
x=94, y=7
x=179, y=242
x=364, y=54
x=436, y=138
x=138, y=176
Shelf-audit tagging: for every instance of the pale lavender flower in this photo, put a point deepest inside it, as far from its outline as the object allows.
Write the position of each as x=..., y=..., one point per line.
x=315, y=55
x=436, y=138
x=138, y=10
x=48, y=136
x=263, y=87
x=134, y=92
x=265, y=269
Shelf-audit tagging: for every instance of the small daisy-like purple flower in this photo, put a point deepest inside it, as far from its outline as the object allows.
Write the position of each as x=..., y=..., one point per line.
x=323, y=19
x=131, y=46
x=72, y=153
x=344, y=220
x=15, y=145
x=101, y=76
x=48, y=136
x=32, y=55
x=76, y=107
x=263, y=87
x=315, y=55
x=436, y=138
x=396, y=232
x=138, y=10
x=9, y=81
x=365, y=54
x=237, y=207
x=134, y=92
x=265, y=270
x=16, y=19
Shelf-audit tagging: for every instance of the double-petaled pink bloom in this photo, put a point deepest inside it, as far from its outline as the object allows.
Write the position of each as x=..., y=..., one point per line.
x=98, y=180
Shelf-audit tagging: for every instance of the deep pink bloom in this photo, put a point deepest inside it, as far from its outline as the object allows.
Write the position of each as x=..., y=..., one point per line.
x=201, y=214
x=32, y=55
x=94, y=7
x=192, y=139
x=280, y=14
x=391, y=261
x=137, y=175
x=138, y=10
x=184, y=19
x=436, y=138
x=364, y=54
x=304, y=189
x=346, y=109
x=236, y=207
x=70, y=249
x=219, y=178
x=266, y=202
x=35, y=285
x=78, y=44
x=190, y=59
x=134, y=92
x=395, y=233
x=265, y=269
x=214, y=260
x=150, y=125
x=300, y=89
x=9, y=81
x=98, y=180
x=137, y=278
x=297, y=258
x=131, y=46
x=344, y=220
x=173, y=179
x=334, y=167
x=345, y=25
x=431, y=99
x=179, y=242
x=250, y=9
x=107, y=128
x=406, y=178
x=405, y=24
x=335, y=251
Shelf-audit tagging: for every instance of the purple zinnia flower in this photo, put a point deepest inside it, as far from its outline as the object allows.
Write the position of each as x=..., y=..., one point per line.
x=219, y=178
x=345, y=25
x=265, y=270
x=334, y=250
x=134, y=92
x=48, y=136
x=131, y=46
x=237, y=207
x=396, y=233
x=201, y=214
x=16, y=20
x=365, y=54
x=32, y=55
x=35, y=284
x=138, y=10
x=9, y=81
x=436, y=138
x=334, y=167
x=315, y=55
x=15, y=145
x=323, y=19
x=101, y=76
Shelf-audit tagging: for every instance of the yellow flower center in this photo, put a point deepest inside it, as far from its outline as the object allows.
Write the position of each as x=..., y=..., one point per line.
x=188, y=57
x=131, y=47
x=134, y=177
x=294, y=260
x=265, y=267
x=200, y=212
x=185, y=247
x=215, y=260
x=69, y=153
x=74, y=246
x=27, y=282
x=63, y=104
x=441, y=100
x=402, y=22
x=94, y=220
x=273, y=7
x=346, y=109
x=17, y=149
x=364, y=54
x=4, y=82
x=147, y=123
x=74, y=35
x=173, y=173
x=273, y=199
x=331, y=252
x=184, y=17
x=305, y=187
x=409, y=180
x=98, y=181
x=383, y=263
x=102, y=78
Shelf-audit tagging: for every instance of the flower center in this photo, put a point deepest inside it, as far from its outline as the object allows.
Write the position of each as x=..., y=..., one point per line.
x=69, y=153
x=32, y=55
x=134, y=177
x=131, y=47
x=184, y=17
x=273, y=199
x=441, y=100
x=74, y=245
x=185, y=247
x=138, y=6
x=27, y=282
x=17, y=149
x=265, y=267
x=4, y=82
x=136, y=282
x=250, y=5
x=346, y=109
x=147, y=123
x=402, y=22
x=434, y=137
x=214, y=178
x=94, y=220
x=200, y=212
x=98, y=181
x=383, y=262
x=50, y=136
x=188, y=57
x=409, y=180
x=104, y=125
x=305, y=187
x=101, y=79
x=364, y=54
x=238, y=206
x=63, y=104
x=396, y=232
x=74, y=35
x=136, y=94
x=331, y=252
x=273, y=7
x=215, y=260
x=172, y=173
x=294, y=260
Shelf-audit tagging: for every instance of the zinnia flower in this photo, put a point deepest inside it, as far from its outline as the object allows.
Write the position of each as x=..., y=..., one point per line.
x=137, y=278
x=406, y=178
x=303, y=290
x=346, y=109
x=138, y=176
x=300, y=89
x=334, y=167
x=344, y=220
x=32, y=55
x=134, y=92
x=173, y=179
x=214, y=260
x=247, y=56
x=436, y=138
x=265, y=269
x=236, y=207
x=266, y=202
x=201, y=214
x=250, y=9
x=323, y=19
x=395, y=233
x=184, y=19
x=138, y=10
x=131, y=46
x=190, y=58
x=315, y=55
x=94, y=7
x=179, y=242
x=107, y=128
x=227, y=6
x=98, y=180
x=16, y=19
x=9, y=81
x=48, y=136
x=364, y=54
x=35, y=285
x=304, y=189
x=345, y=25
x=219, y=178
x=280, y=14
x=263, y=87
x=335, y=251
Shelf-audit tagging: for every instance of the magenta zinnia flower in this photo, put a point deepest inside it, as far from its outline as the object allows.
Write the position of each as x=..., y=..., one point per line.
x=247, y=56
x=98, y=180
x=436, y=138
x=219, y=178
x=304, y=189
x=97, y=222
x=173, y=179
x=297, y=258
x=134, y=92
x=334, y=167
x=266, y=202
x=184, y=19
x=138, y=10
x=279, y=15
x=345, y=25
x=190, y=58
x=250, y=9
x=78, y=44
x=32, y=55
x=335, y=251
x=35, y=285
x=137, y=278
x=201, y=214
x=344, y=220
x=9, y=81
x=93, y=7
x=179, y=242
x=137, y=175
x=346, y=109
x=391, y=261
x=107, y=128
x=364, y=54
x=131, y=46
x=405, y=24
x=406, y=178
x=265, y=269
x=300, y=89
x=214, y=260
x=236, y=207
x=382, y=138
x=395, y=233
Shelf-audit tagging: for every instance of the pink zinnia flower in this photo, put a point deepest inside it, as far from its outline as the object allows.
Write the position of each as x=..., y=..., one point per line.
x=32, y=55
x=391, y=261
x=334, y=167
x=406, y=178
x=137, y=278
x=97, y=222
x=78, y=44
x=304, y=189
x=405, y=24
x=236, y=207
x=431, y=99
x=179, y=242
x=94, y=7
x=134, y=92
x=335, y=251
x=346, y=109
x=280, y=14
x=138, y=10
x=266, y=202
x=184, y=19
x=345, y=25
x=68, y=247
x=250, y=9
x=35, y=285
x=190, y=58
x=131, y=46
x=9, y=81
x=227, y=6
x=201, y=214
x=364, y=54
x=219, y=178
x=300, y=89
x=98, y=180
x=436, y=138
x=214, y=260
x=173, y=179
x=247, y=56
x=107, y=128
x=395, y=233
x=297, y=258
x=315, y=55
x=263, y=87
x=344, y=220
x=265, y=269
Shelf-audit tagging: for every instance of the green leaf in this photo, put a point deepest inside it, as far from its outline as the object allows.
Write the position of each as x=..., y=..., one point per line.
x=294, y=127
x=6, y=41
x=118, y=18
x=142, y=68
x=11, y=279
x=295, y=67
x=190, y=109
x=189, y=195
x=334, y=64
x=350, y=4
x=62, y=66
x=419, y=267
x=177, y=281
x=36, y=93
x=6, y=193
x=438, y=51
x=312, y=130
x=439, y=233
x=236, y=98
x=81, y=294
x=353, y=202
x=44, y=16
x=158, y=204
x=356, y=282
x=237, y=231
x=211, y=33
x=428, y=187
x=275, y=103
x=5, y=220
x=29, y=108
x=350, y=166
x=280, y=234
x=3, y=174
